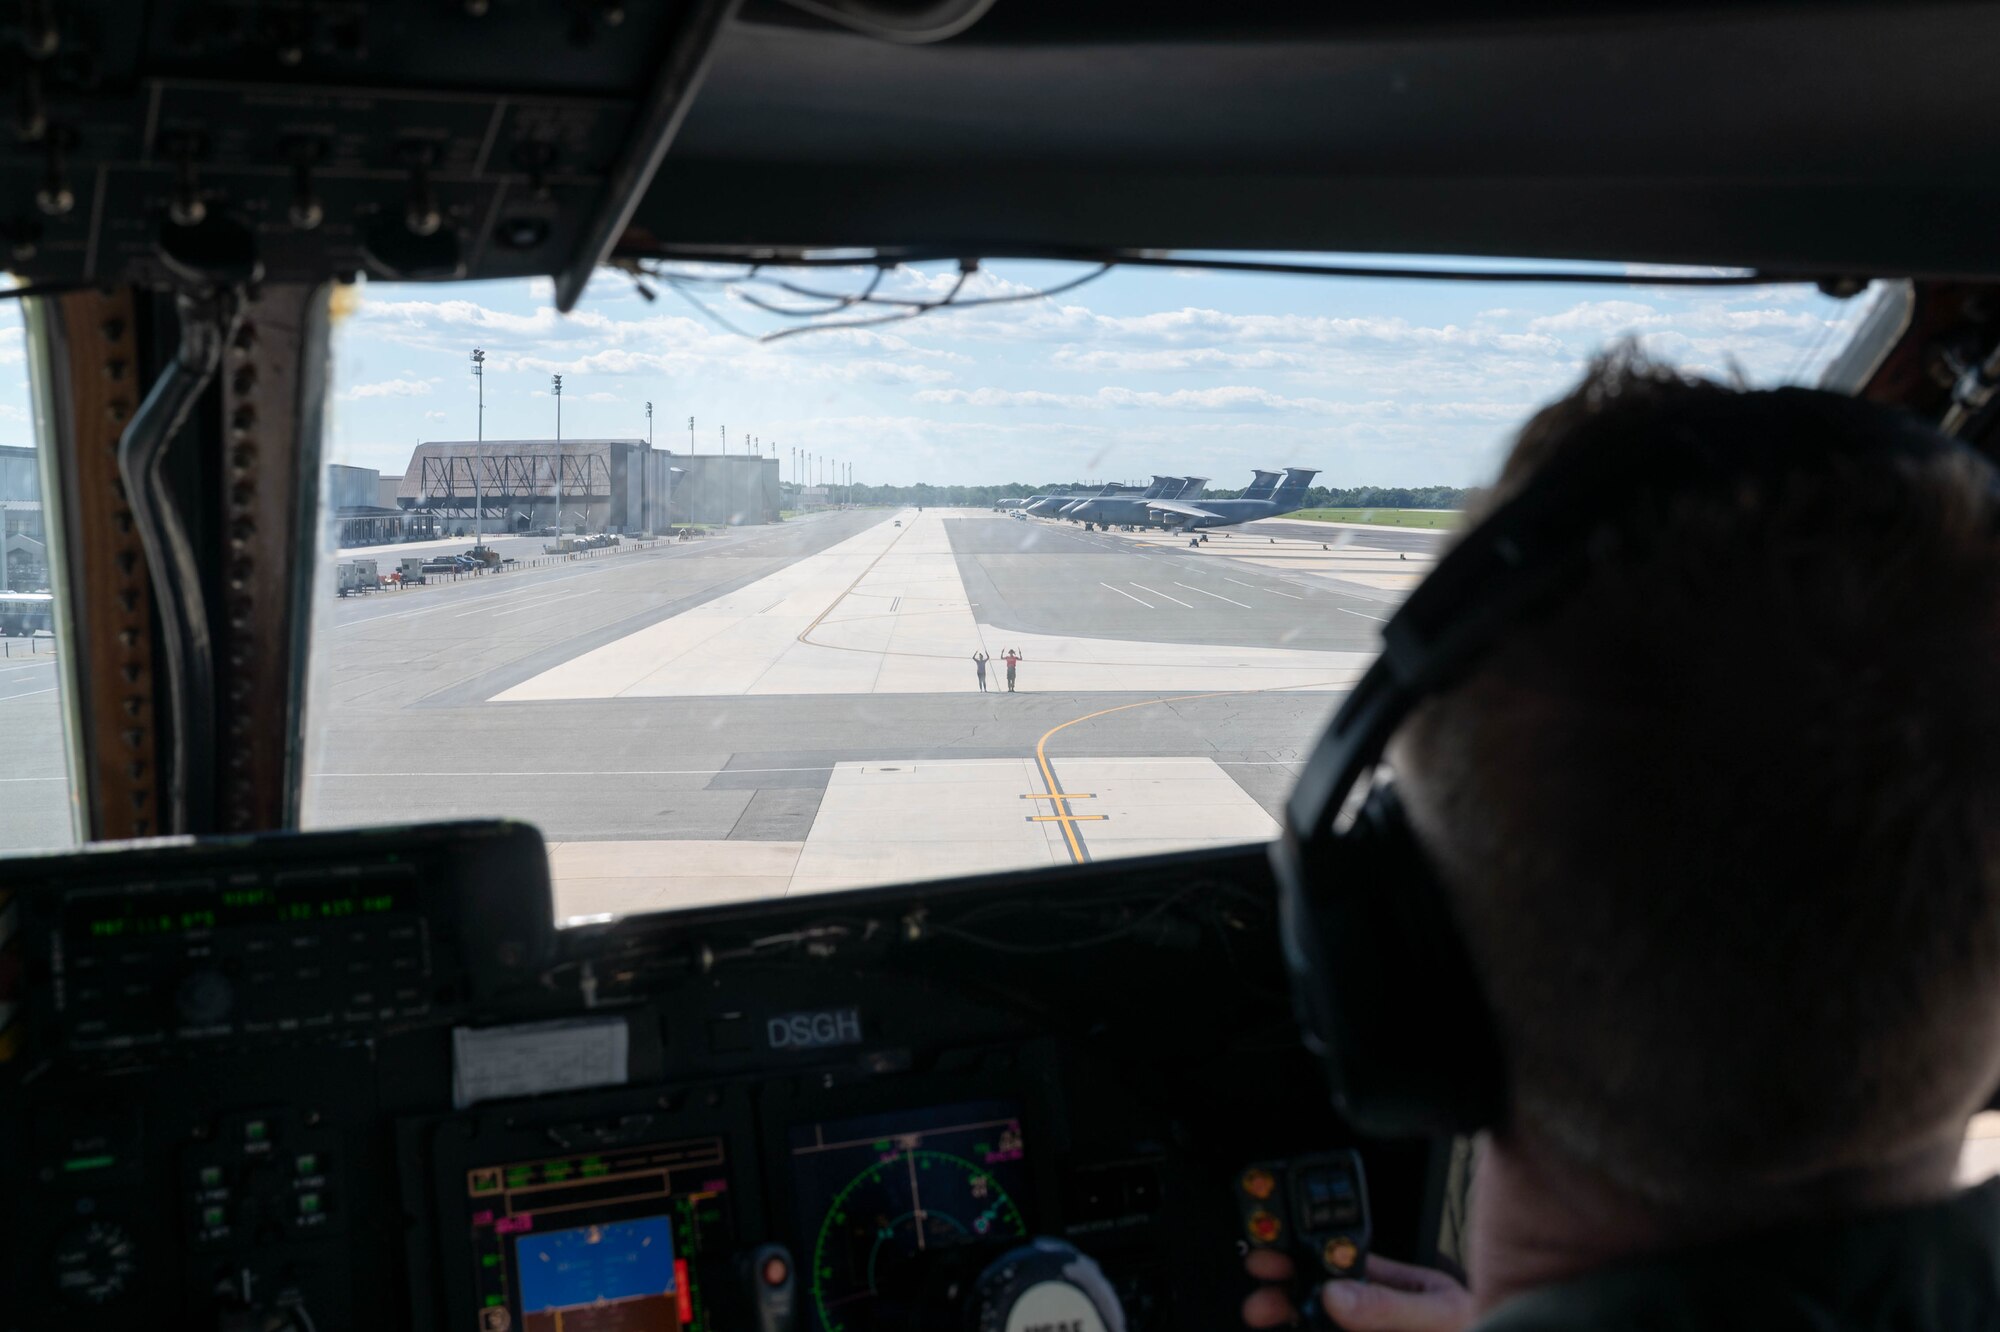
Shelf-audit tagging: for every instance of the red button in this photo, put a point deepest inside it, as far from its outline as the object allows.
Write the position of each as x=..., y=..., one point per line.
x=776, y=1271
x=1263, y=1226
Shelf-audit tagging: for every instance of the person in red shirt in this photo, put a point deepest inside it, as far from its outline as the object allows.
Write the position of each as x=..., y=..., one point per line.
x=1011, y=656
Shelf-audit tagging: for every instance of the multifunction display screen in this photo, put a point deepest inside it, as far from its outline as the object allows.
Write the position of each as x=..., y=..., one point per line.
x=615, y=1241
x=897, y=1209
x=203, y=906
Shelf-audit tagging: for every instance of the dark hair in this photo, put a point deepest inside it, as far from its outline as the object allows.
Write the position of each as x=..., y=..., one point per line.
x=1723, y=827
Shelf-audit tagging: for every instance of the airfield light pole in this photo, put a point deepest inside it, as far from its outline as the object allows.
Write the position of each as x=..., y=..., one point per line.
x=556, y=388
x=479, y=437
x=646, y=463
x=690, y=436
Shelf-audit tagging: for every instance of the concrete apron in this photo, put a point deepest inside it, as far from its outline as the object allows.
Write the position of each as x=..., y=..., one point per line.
x=885, y=612
x=894, y=822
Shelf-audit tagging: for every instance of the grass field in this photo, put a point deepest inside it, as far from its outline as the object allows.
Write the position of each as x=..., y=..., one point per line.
x=1382, y=517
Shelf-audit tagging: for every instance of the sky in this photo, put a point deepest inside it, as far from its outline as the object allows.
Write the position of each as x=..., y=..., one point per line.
x=1167, y=370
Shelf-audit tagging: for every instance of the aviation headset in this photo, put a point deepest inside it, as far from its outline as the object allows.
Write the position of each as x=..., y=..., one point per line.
x=1382, y=983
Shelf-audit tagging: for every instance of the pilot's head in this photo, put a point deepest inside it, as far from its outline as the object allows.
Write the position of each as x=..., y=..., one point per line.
x=1723, y=828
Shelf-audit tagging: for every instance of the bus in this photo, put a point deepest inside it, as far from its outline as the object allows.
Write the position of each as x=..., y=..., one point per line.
x=26, y=614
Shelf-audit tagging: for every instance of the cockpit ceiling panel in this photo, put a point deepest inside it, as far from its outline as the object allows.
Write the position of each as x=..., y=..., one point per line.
x=1828, y=138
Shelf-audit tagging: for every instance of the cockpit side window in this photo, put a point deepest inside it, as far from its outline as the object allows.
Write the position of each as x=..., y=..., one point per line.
x=37, y=790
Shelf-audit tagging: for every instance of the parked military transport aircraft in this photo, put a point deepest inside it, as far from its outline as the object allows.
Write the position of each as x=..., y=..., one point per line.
x=1180, y=515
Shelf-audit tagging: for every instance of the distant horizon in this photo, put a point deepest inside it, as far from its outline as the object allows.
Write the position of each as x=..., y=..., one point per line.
x=898, y=485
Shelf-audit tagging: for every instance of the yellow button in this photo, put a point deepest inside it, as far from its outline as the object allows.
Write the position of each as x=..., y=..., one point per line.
x=1341, y=1254
x=1258, y=1183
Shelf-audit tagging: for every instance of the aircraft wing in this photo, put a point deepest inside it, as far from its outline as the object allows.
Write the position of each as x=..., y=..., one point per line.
x=1180, y=510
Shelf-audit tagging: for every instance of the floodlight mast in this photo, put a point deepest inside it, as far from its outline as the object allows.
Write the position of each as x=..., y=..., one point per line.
x=556, y=388
x=479, y=437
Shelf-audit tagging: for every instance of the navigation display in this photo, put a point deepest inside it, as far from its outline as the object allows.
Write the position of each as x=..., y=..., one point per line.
x=895, y=1209
x=616, y=1241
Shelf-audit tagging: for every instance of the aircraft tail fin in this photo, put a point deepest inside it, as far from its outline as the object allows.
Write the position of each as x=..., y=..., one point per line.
x=1161, y=485
x=1297, y=480
x=1192, y=490
x=1261, y=485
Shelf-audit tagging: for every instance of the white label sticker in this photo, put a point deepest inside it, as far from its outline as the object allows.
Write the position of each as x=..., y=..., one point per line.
x=493, y=1063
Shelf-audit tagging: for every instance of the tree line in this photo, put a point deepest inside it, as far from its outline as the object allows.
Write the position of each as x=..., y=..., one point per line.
x=1318, y=497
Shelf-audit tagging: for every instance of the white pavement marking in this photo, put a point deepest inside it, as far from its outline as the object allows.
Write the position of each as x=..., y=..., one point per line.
x=1217, y=595
x=486, y=603
x=819, y=626
x=47, y=661
x=1127, y=595
x=1255, y=588
x=536, y=604
x=1168, y=595
x=1379, y=619
x=29, y=694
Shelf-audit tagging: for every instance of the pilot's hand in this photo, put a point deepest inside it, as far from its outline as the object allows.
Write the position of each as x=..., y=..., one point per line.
x=1396, y=1297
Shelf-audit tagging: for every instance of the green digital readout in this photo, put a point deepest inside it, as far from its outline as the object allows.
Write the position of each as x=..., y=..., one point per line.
x=168, y=922
x=197, y=909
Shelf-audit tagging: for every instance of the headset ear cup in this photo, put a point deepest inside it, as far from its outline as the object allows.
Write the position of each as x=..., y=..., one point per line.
x=1383, y=984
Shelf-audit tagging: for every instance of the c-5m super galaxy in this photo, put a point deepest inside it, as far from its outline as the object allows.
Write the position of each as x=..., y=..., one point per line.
x=1037, y=503
x=1261, y=500
x=1065, y=503
x=1175, y=503
x=1125, y=506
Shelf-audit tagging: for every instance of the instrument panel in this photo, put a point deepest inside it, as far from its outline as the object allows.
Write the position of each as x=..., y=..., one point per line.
x=769, y=1116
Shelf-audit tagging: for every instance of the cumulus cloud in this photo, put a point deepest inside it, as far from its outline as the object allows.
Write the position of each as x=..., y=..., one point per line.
x=390, y=388
x=1176, y=360
x=1232, y=399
